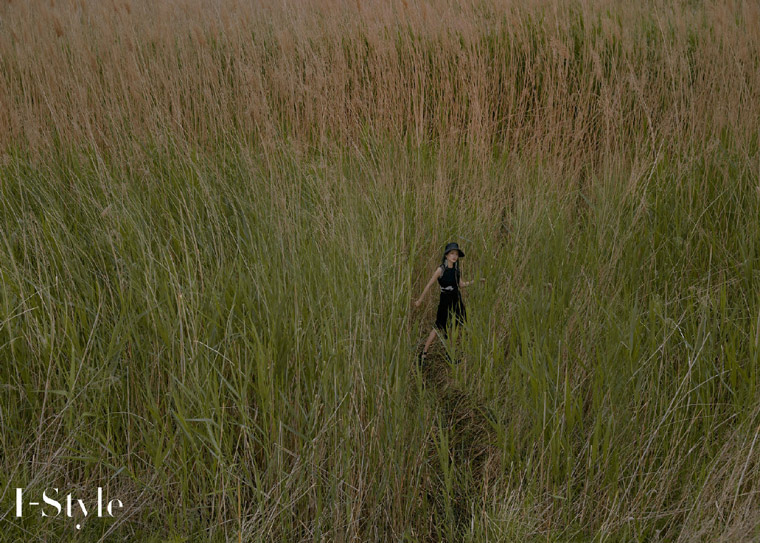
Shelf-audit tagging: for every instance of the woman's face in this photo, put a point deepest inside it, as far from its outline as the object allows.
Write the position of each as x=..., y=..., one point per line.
x=452, y=256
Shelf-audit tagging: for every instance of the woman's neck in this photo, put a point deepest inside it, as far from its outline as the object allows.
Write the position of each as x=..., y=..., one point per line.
x=449, y=264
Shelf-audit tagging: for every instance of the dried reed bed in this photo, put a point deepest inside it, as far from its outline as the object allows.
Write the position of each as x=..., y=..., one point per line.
x=575, y=81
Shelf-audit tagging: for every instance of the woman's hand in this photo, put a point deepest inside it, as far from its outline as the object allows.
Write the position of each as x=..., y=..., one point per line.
x=436, y=274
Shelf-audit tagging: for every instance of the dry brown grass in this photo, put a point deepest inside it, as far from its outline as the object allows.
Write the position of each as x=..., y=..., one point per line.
x=575, y=81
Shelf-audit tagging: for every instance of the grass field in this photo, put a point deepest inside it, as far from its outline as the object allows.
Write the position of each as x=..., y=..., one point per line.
x=215, y=218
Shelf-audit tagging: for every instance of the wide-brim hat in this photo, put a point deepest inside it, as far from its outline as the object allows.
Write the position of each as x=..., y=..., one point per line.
x=453, y=247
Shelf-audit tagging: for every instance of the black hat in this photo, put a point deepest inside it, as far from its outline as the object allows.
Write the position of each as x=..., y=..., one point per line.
x=452, y=247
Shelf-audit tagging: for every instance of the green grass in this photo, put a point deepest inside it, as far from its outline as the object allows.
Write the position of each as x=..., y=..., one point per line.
x=196, y=330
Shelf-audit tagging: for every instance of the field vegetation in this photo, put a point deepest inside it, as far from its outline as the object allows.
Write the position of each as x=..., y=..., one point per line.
x=215, y=217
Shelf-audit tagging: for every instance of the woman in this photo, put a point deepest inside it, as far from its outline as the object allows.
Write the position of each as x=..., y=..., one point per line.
x=450, y=280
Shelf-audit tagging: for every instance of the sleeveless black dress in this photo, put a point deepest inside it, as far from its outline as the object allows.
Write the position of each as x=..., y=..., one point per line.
x=451, y=300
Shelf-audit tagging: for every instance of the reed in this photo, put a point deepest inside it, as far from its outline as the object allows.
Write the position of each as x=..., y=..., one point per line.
x=214, y=218
x=577, y=81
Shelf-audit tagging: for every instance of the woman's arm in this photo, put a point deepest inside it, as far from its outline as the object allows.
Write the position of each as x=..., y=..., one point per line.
x=468, y=283
x=436, y=275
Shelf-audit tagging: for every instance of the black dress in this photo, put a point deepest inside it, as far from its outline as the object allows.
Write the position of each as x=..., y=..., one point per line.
x=451, y=300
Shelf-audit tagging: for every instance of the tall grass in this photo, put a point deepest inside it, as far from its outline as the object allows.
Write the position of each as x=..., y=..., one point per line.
x=214, y=218
x=579, y=81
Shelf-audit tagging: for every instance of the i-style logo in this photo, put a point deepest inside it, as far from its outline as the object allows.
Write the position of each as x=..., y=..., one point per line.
x=51, y=507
